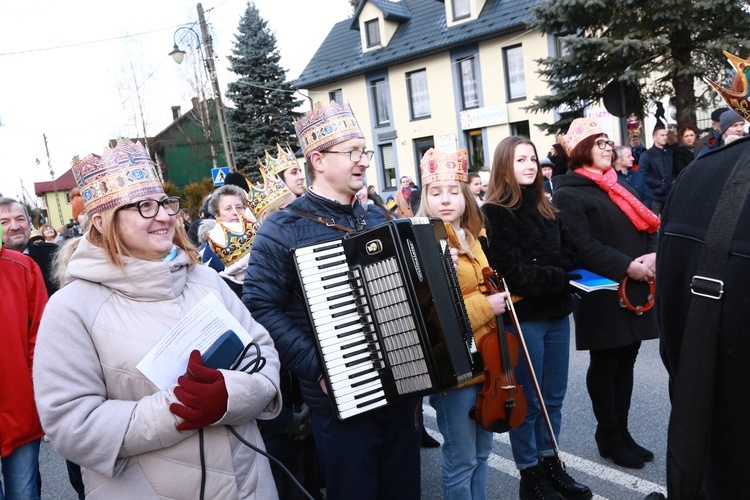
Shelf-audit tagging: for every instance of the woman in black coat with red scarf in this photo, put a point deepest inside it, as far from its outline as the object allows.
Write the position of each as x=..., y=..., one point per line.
x=615, y=235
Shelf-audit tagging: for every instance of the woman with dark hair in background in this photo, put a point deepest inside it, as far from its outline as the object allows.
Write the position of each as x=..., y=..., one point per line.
x=685, y=150
x=559, y=158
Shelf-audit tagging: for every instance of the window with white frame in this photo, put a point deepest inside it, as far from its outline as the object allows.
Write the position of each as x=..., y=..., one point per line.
x=419, y=98
x=372, y=29
x=461, y=9
x=468, y=83
x=337, y=95
x=388, y=166
x=515, y=80
x=380, y=98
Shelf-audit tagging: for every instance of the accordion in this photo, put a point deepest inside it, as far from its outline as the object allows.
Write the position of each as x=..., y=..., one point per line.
x=387, y=314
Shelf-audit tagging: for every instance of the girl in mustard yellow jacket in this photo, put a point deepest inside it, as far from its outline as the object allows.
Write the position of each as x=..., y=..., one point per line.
x=446, y=194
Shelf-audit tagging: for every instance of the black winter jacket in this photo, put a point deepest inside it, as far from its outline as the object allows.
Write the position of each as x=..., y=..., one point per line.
x=608, y=242
x=272, y=289
x=533, y=254
x=657, y=166
x=685, y=221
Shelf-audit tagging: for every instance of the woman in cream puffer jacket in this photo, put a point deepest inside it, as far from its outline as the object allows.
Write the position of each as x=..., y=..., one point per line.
x=127, y=284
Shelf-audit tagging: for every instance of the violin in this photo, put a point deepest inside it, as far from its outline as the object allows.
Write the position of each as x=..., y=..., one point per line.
x=501, y=404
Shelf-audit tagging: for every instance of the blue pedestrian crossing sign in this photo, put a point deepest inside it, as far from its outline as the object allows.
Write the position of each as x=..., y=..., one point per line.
x=219, y=175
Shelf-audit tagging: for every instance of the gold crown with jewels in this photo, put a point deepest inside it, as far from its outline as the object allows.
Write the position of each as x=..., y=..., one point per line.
x=737, y=100
x=283, y=161
x=266, y=192
x=231, y=241
x=438, y=165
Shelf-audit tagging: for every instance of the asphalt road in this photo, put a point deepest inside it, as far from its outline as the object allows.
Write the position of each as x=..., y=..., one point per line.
x=649, y=417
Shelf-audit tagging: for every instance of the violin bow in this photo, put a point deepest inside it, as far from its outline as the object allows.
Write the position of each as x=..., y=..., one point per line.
x=537, y=389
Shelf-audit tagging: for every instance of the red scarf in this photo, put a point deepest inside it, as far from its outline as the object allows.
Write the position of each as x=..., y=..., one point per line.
x=641, y=217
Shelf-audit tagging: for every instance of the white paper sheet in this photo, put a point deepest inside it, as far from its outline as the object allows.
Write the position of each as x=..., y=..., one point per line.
x=200, y=327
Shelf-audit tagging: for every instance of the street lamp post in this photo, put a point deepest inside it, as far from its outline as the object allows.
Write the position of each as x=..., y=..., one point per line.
x=178, y=56
x=54, y=181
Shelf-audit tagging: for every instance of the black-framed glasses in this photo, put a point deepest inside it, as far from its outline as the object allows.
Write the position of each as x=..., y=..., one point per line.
x=354, y=155
x=603, y=143
x=149, y=208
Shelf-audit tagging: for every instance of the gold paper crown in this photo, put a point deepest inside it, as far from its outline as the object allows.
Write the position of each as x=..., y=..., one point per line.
x=283, y=161
x=233, y=240
x=634, y=125
x=580, y=129
x=440, y=166
x=738, y=101
x=269, y=190
x=325, y=126
x=117, y=177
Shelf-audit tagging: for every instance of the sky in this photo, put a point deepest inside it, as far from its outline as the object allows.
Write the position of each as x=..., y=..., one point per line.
x=68, y=70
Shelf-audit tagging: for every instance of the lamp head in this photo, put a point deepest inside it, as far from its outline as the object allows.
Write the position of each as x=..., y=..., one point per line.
x=177, y=54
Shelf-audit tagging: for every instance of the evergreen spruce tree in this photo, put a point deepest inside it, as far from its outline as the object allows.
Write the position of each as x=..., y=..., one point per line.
x=658, y=48
x=264, y=103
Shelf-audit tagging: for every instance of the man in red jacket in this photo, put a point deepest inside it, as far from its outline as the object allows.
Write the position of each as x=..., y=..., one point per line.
x=24, y=297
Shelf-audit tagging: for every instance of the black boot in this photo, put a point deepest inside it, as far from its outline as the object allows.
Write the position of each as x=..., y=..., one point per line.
x=534, y=485
x=613, y=447
x=429, y=441
x=562, y=482
x=638, y=450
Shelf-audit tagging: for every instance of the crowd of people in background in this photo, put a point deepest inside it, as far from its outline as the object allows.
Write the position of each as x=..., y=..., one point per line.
x=91, y=298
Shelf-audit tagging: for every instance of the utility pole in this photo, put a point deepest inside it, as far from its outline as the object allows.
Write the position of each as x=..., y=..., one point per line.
x=54, y=181
x=220, y=110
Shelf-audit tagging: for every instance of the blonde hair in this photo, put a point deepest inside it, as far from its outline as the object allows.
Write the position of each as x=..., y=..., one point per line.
x=61, y=258
x=472, y=220
x=109, y=240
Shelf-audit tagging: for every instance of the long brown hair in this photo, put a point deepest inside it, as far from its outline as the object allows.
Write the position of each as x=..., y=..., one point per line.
x=504, y=190
x=472, y=220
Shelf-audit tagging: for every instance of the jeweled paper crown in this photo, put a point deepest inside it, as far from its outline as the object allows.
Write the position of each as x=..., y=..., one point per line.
x=231, y=241
x=580, y=129
x=264, y=193
x=438, y=165
x=283, y=161
x=738, y=101
x=326, y=125
x=634, y=125
x=118, y=176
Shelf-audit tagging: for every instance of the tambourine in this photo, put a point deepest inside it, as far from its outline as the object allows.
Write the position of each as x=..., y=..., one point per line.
x=639, y=309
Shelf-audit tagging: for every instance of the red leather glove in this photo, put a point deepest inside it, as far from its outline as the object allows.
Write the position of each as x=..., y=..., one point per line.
x=203, y=394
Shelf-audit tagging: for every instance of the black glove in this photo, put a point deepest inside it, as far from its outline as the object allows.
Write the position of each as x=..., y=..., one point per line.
x=300, y=427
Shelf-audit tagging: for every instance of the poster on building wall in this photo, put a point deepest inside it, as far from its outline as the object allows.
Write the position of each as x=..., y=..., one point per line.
x=446, y=143
x=484, y=117
x=604, y=119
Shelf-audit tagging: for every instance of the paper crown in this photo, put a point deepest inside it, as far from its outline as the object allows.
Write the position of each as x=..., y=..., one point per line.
x=231, y=241
x=326, y=125
x=266, y=192
x=580, y=129
x=441, y=166
x=634, y=125
x=118, y=176
x=283, y=161
x=738, y=101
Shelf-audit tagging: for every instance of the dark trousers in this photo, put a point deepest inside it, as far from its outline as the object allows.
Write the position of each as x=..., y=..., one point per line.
x=372, y=456
x=610, y=384
x=300, y=459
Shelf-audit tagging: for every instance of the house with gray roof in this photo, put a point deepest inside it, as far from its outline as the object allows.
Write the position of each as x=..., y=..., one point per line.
x=433, y=73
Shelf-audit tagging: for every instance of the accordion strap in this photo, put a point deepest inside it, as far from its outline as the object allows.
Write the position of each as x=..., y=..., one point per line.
x=321, y=220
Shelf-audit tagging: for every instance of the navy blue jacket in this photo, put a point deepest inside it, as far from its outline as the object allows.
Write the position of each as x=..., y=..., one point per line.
x=272, y=290
x=636, y=180
x=657, y=166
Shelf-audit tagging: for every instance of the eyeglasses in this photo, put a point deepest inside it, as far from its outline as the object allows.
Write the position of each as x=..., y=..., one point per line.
x=603, y=143
x=354, y=155
x=149, y=208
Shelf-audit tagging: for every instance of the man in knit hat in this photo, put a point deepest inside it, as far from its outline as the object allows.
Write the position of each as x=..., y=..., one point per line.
x=731, y=123
x=713, y=132
x=371, y=455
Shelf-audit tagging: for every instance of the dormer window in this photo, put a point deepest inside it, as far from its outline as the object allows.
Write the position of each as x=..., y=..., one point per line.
x=461, y=9
x=373, y=32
